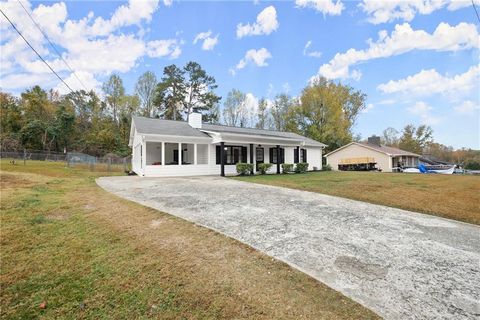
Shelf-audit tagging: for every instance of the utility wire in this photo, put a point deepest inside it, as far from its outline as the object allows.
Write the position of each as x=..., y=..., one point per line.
x=21, y=35
x=475, y=8
x=51, y=44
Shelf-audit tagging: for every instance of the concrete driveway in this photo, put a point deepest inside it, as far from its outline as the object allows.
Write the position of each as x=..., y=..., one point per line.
x=398, y=263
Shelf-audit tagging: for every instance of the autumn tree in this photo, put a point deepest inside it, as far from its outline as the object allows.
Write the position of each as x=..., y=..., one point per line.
x=327, y=112
x=11, y=122
x=114, y=91
x=415, y=139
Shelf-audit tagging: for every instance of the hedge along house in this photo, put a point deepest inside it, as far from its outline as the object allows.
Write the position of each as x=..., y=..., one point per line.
x=371, y=155
x=163, y=148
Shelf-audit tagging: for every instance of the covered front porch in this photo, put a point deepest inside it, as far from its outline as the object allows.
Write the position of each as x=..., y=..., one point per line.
x=404, y=161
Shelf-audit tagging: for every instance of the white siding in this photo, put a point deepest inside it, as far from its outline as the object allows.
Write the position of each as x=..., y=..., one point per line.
x=202, y=153
x=314, y=158
x=136, y=154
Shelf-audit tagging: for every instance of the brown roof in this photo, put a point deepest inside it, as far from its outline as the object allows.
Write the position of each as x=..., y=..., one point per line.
x=380, y=148
x=389, y=150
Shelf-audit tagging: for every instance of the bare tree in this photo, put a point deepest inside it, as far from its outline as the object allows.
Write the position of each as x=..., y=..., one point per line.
x=234, y=109
x=145, y=89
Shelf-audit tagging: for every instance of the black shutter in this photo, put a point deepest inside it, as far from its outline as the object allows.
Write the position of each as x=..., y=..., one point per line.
x=282, y=155
x=304, y=156
x=217, y=154
x=295, y=155
x=244, y=154
x=271, y=155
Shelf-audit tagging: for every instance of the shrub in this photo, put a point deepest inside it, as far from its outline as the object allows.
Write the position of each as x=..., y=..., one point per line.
x=264, y=167
x=244, y=168
x=287, y=167
x=472, y=165
x=327, y=167
x=301, y=167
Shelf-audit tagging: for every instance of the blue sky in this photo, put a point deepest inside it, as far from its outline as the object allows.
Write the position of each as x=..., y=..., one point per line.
x=417, y=61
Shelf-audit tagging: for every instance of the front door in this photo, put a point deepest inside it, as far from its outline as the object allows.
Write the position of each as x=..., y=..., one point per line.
x=258, y=156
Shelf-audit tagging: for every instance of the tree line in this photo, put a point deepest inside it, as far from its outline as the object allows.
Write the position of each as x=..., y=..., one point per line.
x=419, y=140
x=99, y=124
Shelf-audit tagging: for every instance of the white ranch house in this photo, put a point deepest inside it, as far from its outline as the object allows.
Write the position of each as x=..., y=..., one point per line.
x=156, y=143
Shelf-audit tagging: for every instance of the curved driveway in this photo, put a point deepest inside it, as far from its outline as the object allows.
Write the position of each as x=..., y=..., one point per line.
x=398, y=263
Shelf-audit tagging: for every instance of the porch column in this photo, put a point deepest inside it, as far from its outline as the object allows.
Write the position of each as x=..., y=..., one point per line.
x=144, y=154
x=194, y=153
x=222, y=159
x=163, y=153
x=278, y=159
x=251, y=158
x=180, y=151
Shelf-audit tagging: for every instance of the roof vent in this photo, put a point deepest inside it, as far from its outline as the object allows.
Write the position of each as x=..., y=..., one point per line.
x=374, y=140
x=195, y=120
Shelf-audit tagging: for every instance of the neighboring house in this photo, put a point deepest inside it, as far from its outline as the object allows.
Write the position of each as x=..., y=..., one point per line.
x=370, y=155
x=164, y=148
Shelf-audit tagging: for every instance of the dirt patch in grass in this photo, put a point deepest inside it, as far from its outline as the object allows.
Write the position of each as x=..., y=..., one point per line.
x=449, y=196
x=89, y=254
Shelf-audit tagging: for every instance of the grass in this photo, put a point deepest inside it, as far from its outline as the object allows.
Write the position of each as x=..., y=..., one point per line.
x=88, y=254
x=449, y=196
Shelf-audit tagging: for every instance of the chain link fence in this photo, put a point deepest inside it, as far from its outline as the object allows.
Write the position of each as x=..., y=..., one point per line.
x=71, y=159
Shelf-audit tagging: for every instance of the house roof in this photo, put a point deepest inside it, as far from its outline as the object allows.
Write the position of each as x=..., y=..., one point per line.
x=260, y=132
x=166, y=127
x=182, y=128
x=380, y=148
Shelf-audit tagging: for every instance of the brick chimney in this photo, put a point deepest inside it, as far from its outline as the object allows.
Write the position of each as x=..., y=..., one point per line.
x=374, y=140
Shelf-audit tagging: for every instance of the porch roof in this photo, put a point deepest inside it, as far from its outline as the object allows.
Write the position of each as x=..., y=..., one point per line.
x=260, y=133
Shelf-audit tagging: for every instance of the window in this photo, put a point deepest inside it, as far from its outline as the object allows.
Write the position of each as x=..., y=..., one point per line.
x=303, y=155
x=233, y=154
x=295, y=155
x=273, y=155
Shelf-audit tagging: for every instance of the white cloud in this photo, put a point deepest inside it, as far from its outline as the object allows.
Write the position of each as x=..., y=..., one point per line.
x=429, y=82
x=423, y=110
x=132, y=13
x=164, y=48
x=388, y=11
x=167, y=3
x=258, y=57
x=467, y=107
x=208, y=42
x=403, y=39
x=306, y=52
x=327, y=7
x=93, y=46
x=266, y=23
x=386, y=102
x=86, y=78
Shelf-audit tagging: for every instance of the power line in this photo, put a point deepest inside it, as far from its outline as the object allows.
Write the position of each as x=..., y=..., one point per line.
x=475, y=8
x=21, y=35
x=51, y=44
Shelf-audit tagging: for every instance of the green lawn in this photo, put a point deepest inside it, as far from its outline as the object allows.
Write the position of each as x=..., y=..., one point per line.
x=88, y=254
x=449, y=196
